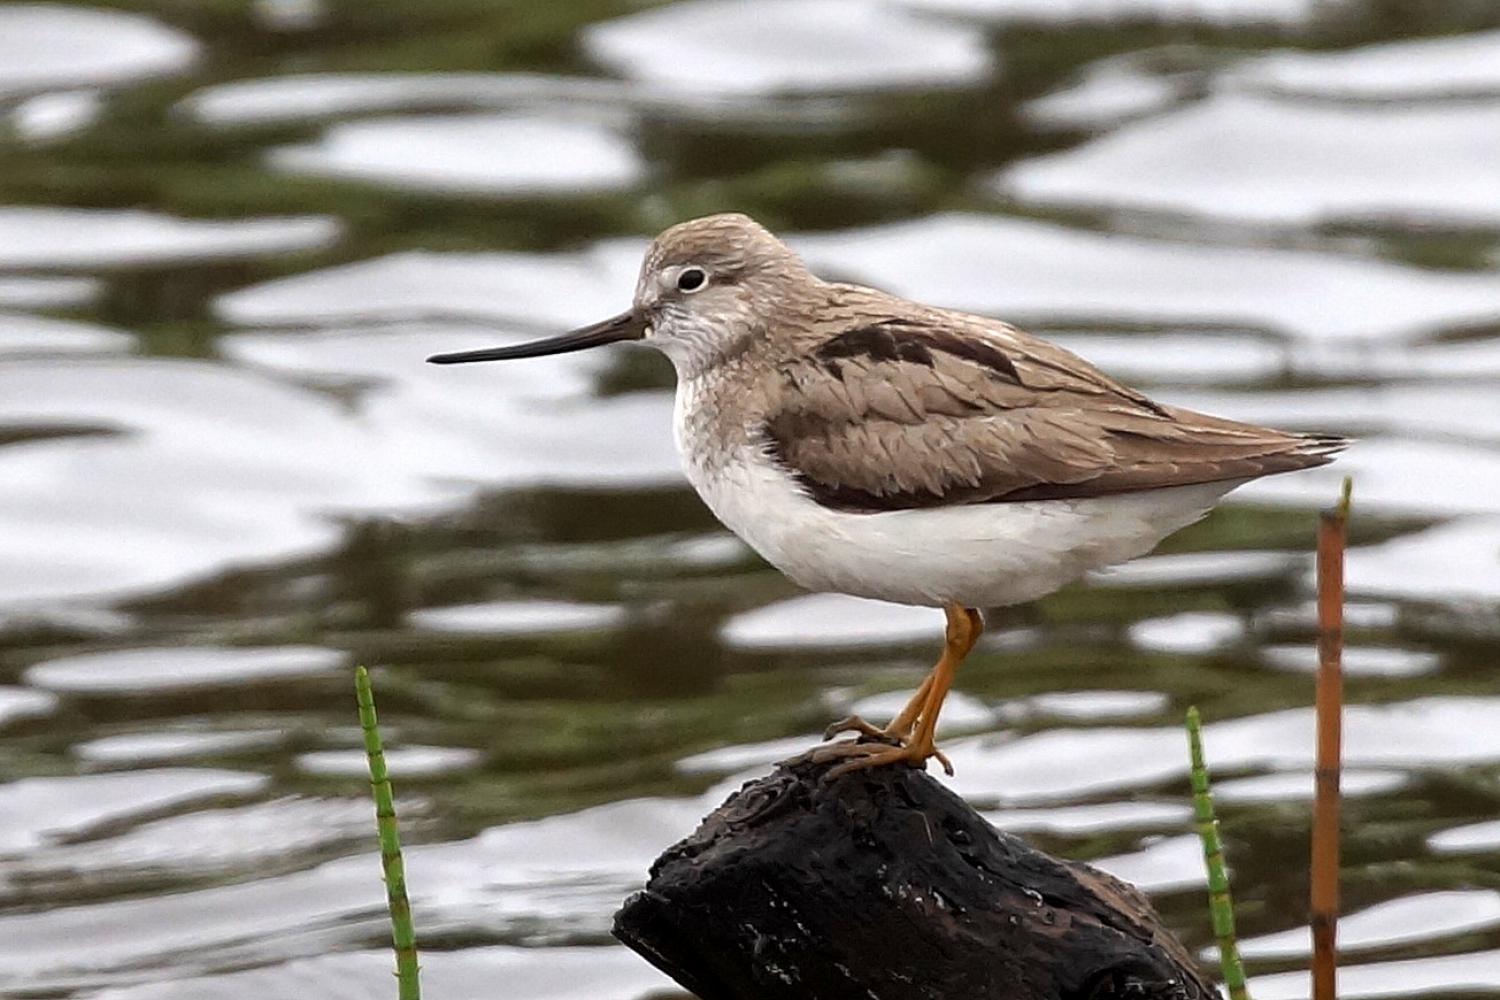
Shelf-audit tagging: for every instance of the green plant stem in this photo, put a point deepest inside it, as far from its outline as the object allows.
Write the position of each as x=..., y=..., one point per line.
x=403, y=933
x=1220, y=903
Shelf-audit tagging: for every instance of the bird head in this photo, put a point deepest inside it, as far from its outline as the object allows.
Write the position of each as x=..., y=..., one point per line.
x=708, y=288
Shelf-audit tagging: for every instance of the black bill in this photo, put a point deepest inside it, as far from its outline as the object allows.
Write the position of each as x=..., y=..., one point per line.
x=628, y=325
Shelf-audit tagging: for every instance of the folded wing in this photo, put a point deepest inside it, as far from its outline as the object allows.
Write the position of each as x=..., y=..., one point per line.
x=940, y=408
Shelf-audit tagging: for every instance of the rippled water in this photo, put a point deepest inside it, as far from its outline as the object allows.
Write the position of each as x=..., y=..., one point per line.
x=229, y=233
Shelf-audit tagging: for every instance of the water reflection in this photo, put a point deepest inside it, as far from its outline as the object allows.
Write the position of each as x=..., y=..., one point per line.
x=1412, y=918
x=781, y=46
x=44, y=46
x=472, y=154
x=227, y=239
x=1455, y=67
x=69, y=238
x=1242, y=157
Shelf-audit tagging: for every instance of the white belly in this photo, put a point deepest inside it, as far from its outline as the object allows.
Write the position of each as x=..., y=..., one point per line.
x=978, y=555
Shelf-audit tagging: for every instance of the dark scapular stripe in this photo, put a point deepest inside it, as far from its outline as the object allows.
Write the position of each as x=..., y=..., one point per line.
x=901, y=340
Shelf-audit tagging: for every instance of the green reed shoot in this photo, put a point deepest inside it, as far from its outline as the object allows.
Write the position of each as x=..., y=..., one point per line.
x=403, y=933
x=1220, y=903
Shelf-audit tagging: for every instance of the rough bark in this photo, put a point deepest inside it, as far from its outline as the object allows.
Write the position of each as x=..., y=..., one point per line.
x=883, y=884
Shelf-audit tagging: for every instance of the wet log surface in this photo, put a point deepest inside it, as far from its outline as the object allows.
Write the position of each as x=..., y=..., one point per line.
x=885, y=885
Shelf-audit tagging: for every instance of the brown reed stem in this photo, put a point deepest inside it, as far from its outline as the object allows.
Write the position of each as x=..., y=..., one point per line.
x=1323, y=903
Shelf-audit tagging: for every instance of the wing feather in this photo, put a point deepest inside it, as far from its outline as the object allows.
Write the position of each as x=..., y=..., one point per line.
x=933, y=408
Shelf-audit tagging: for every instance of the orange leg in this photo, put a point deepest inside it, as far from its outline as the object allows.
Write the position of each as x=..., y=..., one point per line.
x=902, y=724
x=899, y=728
x=965, y=625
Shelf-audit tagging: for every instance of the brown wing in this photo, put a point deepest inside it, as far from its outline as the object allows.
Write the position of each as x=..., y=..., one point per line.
x=939, y=408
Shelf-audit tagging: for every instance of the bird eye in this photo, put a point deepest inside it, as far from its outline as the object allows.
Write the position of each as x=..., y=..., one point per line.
x=691, y=279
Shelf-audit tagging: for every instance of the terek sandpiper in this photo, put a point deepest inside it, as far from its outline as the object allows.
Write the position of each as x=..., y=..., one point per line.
x=869, y=445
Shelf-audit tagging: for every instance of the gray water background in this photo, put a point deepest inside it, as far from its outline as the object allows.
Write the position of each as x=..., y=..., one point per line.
x=230, y=232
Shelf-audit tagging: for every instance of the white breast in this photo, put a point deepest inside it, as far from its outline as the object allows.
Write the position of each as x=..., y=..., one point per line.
x=978, y=555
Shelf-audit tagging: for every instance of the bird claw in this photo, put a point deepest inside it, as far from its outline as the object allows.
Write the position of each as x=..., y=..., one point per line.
x=864, y=755
x=942, y=759
x=854, y=724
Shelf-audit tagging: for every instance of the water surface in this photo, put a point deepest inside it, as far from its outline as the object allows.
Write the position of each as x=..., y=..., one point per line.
x=229, y=233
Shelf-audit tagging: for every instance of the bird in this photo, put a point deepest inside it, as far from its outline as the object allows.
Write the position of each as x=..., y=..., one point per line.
x=869, y=445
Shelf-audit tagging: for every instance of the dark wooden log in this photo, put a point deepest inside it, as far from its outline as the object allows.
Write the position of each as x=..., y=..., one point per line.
x=884, y=885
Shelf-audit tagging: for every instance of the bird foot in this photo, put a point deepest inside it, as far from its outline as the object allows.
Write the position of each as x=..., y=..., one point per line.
x=854, y=724
x=860, y=754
